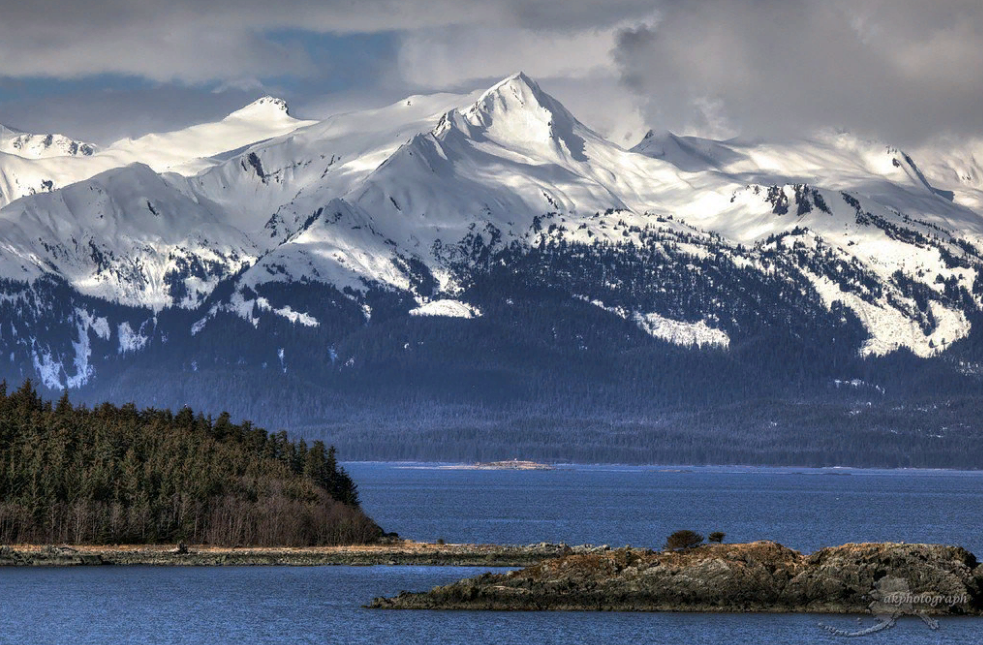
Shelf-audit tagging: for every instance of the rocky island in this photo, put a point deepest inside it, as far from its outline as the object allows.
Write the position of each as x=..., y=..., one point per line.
x=511, y=464
x=884, y=579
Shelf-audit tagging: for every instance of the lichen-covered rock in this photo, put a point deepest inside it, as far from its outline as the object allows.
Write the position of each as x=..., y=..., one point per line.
x=865, y=574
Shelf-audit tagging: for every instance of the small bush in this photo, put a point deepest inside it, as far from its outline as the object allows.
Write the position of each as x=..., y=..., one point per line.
x=683, y=540
x=716, y=536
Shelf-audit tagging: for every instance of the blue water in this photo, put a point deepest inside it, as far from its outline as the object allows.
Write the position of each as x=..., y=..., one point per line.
x=805, y=509
x=639, y=506
x=143, y=605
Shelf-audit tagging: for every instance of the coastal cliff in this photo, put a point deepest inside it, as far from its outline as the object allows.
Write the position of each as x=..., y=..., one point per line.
x=883, y=579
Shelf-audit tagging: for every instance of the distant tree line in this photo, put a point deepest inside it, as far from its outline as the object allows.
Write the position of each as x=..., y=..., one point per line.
x=112, y=475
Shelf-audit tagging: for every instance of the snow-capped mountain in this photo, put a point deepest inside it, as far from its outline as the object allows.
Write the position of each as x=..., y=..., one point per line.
x=332, y=251
x=32, y=164
x=37, y=163
x=40, y=146
x=193, y=149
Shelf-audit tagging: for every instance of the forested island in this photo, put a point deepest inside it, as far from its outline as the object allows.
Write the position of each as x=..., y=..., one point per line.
x=120, y=475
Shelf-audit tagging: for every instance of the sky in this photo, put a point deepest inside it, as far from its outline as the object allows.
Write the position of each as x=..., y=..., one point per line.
x=901, y=71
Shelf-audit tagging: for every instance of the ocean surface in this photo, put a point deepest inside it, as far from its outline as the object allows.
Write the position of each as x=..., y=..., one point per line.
x=803, y=509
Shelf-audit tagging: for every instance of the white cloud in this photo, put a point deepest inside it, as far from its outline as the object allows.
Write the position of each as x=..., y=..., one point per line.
x=219, y=40
x=903, y=70
x=188, y=53
x=450, y=58
x=600, y=102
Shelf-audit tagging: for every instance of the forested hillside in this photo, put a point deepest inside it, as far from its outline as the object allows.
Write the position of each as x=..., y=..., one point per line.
x=114, y=475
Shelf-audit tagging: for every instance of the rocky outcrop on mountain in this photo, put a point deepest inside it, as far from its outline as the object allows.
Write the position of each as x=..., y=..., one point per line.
x=882, y=579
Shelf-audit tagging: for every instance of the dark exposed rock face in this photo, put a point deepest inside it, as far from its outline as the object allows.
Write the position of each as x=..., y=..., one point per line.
x=755, y=577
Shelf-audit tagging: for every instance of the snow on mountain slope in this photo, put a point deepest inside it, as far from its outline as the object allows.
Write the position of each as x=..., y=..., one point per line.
x=861, y=200
x=492, y=167
x=358, y=192
x=41, y=146
x=38, y=163
x=956, y=167
x=21, y=177
x=340, y=246
x=31, y=164
x=354, y=201
x=511, y=156
x=690, y=154
x=276, y=185
x=188, y=151
x=834, y=161
x=125, y=236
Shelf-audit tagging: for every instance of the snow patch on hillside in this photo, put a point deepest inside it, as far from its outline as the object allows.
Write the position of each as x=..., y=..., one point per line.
x=857, y=384
x=286, y=312
x=130, y=340
x=889, y=328
x=245, y=308
x=83, y=351
x=447, y=309
x=50, y=367
x=99, y=325
x=677, y=332
x=47, y=368
x=199, y=325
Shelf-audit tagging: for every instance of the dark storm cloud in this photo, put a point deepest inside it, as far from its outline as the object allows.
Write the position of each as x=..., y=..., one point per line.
x=902, y=70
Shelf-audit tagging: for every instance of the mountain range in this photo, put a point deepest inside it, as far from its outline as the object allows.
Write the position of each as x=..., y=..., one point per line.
x=469, y=276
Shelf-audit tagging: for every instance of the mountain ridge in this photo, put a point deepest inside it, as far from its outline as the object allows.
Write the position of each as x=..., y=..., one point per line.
x=446, y=240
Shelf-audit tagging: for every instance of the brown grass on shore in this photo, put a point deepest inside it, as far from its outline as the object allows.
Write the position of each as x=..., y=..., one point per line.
x=403, y=546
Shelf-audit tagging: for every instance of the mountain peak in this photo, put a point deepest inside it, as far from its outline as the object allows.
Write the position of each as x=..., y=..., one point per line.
x=517, y=113
x=520, y=89
x=519, y=79
x=518, y=99
x=266, y=107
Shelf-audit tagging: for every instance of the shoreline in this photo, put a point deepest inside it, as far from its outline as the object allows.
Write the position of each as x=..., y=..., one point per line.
x=403, y=553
